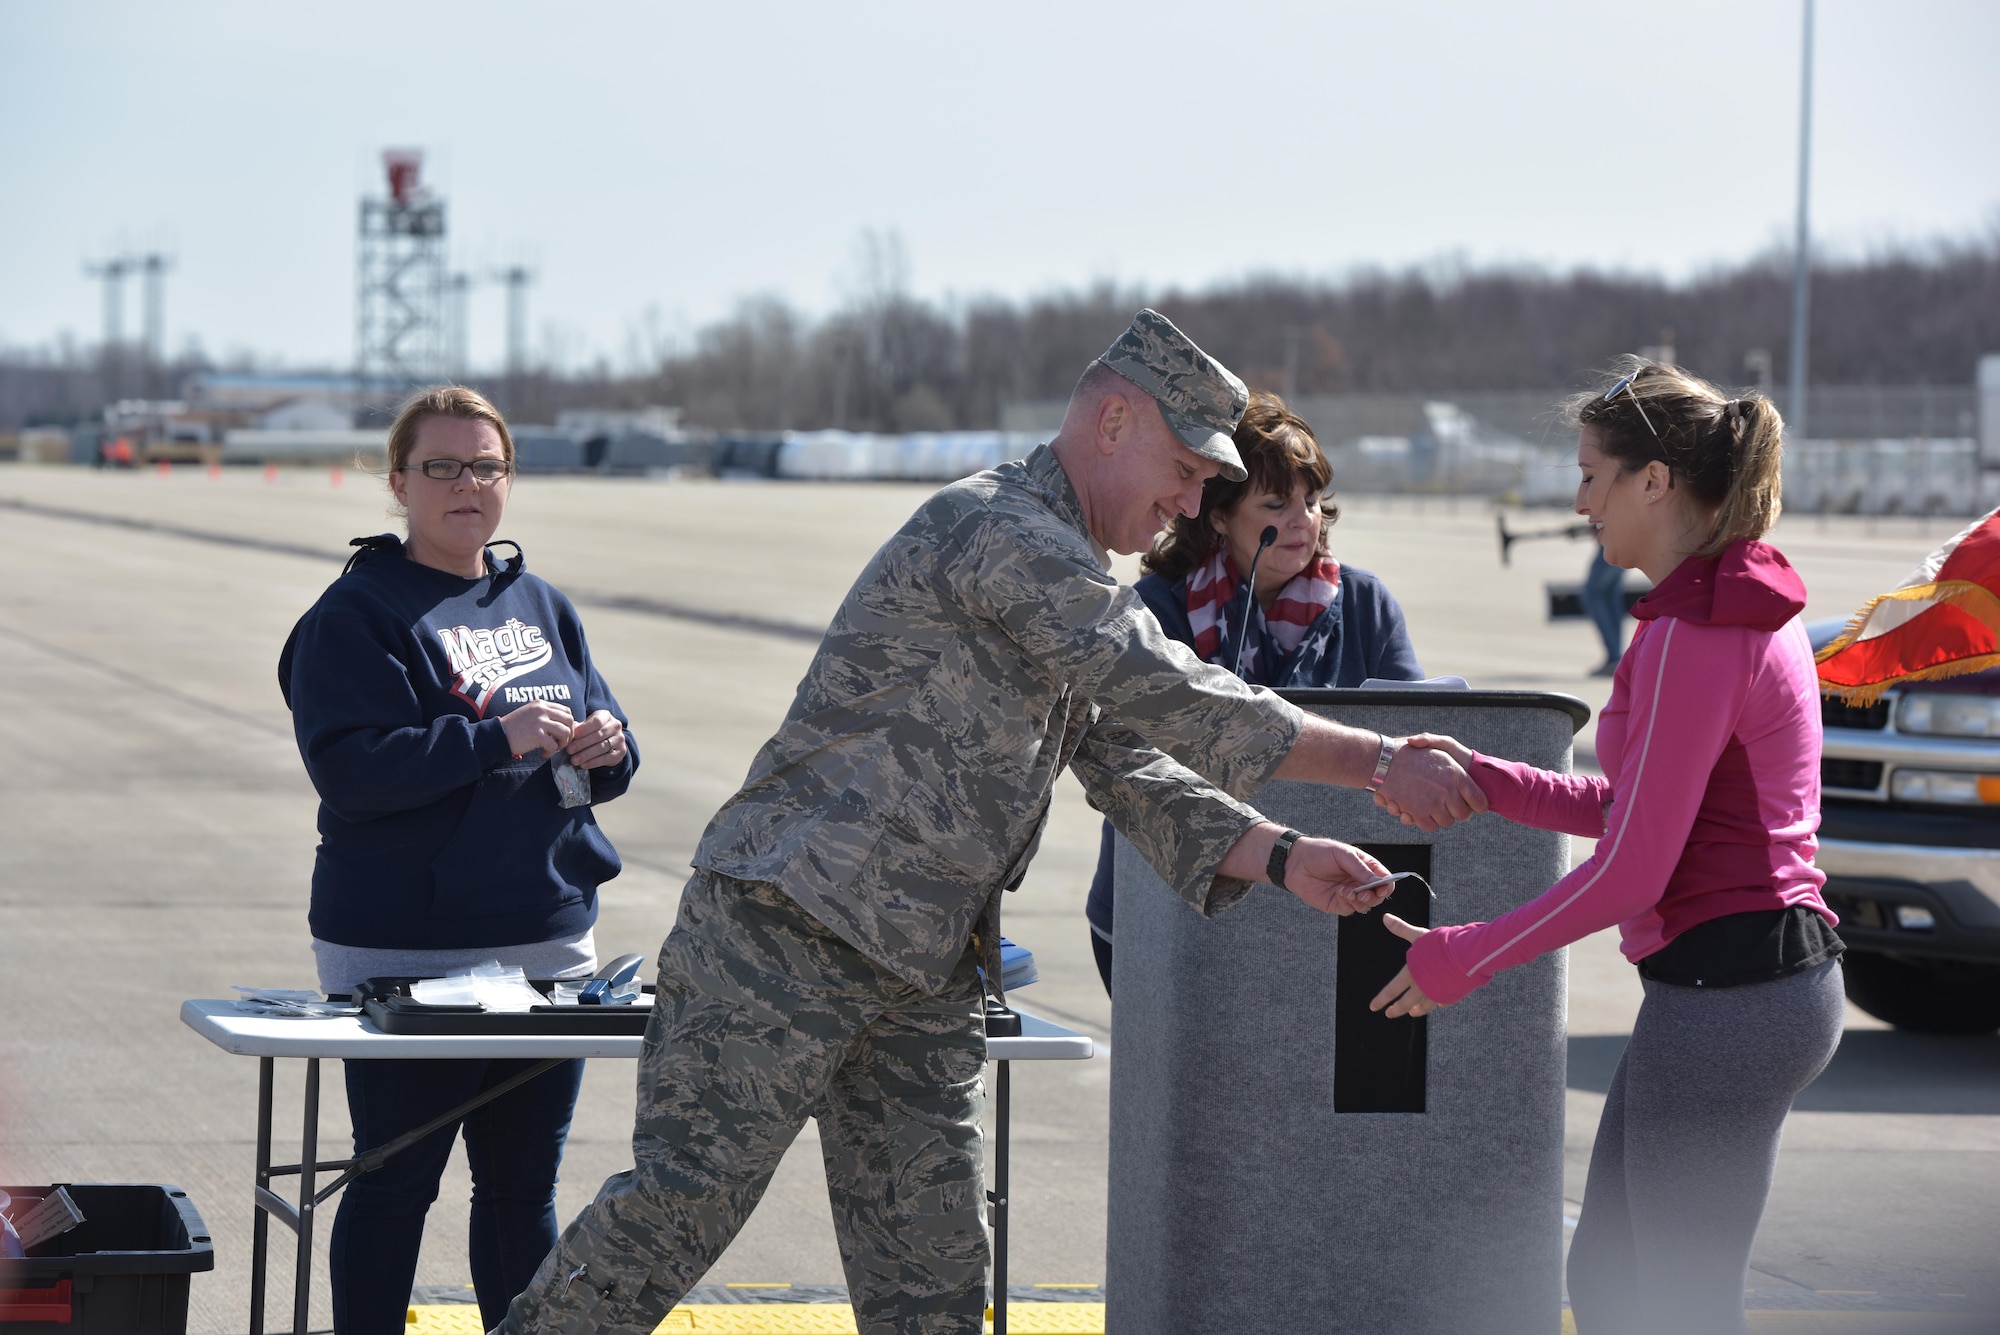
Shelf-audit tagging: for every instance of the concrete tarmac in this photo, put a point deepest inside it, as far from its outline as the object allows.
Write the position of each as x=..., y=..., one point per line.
x=158, y=835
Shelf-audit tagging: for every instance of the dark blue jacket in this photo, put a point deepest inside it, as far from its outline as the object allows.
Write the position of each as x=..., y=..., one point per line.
x=432, y=835
x=1369, y=638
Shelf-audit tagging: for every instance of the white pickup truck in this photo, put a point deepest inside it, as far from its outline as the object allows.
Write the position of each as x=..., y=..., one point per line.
x=1909, y=840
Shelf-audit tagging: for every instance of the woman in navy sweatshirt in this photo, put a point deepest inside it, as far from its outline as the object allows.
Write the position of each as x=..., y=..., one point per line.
x=430, y=686
x=1311, y=620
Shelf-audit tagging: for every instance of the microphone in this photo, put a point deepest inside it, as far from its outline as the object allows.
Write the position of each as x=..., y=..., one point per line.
x=1264, y=539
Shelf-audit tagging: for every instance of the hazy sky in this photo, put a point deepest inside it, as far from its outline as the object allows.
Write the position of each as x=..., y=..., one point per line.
x=656, y=163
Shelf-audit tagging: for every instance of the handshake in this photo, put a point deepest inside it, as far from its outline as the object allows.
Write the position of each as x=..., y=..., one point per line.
x=1428, y=786
x=548, y=727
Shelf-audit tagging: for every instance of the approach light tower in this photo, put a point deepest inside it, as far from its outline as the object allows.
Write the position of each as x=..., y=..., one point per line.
x=401, y=299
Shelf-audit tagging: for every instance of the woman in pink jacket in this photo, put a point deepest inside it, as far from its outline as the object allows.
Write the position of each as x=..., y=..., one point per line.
x=1705, y=822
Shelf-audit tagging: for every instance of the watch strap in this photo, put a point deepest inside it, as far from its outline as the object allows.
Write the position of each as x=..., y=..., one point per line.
x=1383, y=760
x=1281, y=853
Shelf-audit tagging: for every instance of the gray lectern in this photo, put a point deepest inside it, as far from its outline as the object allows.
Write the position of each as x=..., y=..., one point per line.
x=1284, y=1159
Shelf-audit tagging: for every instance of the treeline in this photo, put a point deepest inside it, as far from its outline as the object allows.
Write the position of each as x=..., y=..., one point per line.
x=889, y=361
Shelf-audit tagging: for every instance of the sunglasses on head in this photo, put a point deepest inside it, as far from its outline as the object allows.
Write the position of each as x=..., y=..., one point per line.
x=1626, y=386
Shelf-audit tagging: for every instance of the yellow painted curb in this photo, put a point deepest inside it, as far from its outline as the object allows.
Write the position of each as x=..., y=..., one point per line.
x=1088, y=1319
x=780, y=1319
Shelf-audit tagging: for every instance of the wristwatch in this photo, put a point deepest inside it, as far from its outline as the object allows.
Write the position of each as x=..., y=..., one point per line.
x=1281, y=853
x=1383, y=761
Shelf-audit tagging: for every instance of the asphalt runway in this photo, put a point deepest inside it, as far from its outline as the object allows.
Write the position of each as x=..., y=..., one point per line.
x=158, y=835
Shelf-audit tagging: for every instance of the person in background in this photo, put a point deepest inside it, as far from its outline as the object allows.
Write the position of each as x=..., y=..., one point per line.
x=431, y=688
x=1312, y=620
x=1603, y=597
x=1706, y=822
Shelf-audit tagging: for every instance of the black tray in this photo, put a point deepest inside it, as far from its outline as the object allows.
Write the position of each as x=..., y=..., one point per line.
x=389, y=1007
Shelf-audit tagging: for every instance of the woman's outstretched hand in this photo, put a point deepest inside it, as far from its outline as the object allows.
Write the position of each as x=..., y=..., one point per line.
x=1402, y=996
x=1437, y=741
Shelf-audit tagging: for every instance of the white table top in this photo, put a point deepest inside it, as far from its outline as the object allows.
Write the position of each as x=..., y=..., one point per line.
x=230, y=1029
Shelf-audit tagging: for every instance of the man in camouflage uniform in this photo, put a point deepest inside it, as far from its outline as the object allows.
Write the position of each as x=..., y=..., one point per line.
x=825, y=961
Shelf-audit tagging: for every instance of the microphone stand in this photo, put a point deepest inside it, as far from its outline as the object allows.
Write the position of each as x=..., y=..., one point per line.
x=1264, y=539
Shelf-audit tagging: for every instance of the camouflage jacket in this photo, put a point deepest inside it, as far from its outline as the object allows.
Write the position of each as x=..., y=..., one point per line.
x=984, y=647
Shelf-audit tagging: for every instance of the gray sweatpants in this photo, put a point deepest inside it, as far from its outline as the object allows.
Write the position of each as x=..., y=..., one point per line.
x=1686, y=1150
x=763, y=1019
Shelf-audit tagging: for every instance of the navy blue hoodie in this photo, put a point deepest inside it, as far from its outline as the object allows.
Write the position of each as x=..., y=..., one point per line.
x=432, y=835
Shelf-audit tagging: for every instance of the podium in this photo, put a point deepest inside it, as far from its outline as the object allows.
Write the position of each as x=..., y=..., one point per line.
x=1282, y=1158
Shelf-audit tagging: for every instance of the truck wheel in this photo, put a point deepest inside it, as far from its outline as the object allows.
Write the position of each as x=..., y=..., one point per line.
x=1924, y=996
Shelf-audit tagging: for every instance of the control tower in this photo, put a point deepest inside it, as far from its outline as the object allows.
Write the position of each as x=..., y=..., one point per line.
x=402, y=293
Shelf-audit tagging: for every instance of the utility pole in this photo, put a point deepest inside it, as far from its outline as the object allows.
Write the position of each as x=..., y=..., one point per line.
x=1795, y=411
x=154, y=267
x=515, y=278
x=458, y=290
x=113, y=272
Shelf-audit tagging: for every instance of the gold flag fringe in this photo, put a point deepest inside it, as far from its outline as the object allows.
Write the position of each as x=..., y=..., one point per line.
x=1975, y=600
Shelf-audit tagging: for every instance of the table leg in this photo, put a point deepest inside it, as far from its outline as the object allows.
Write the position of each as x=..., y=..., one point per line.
x=260, y=1224
x=999, y=1198
x=308, y=1157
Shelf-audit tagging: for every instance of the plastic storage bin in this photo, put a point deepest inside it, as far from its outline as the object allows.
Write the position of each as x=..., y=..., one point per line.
x=124, y=1269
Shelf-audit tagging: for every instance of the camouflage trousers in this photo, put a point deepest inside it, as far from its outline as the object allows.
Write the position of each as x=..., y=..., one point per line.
x=764, y=1018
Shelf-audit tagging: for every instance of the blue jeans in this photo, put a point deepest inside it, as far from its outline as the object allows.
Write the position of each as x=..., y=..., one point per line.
x=1604, y=603
x=512, y=1145
x=1098, y=908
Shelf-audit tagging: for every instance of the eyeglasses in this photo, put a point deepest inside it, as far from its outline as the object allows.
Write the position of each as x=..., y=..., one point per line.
x=448, y=470
x=1612, y=393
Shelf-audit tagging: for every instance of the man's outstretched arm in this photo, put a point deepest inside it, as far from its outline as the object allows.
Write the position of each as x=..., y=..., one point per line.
x=1325, y=873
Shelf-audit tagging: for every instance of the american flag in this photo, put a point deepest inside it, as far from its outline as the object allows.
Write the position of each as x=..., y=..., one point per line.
x=1942, y=621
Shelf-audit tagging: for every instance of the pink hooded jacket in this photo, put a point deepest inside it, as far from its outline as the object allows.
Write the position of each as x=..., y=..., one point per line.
x=1710, y=802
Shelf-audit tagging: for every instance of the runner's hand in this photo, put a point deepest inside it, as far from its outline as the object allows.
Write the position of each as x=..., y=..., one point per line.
x=1402, y=996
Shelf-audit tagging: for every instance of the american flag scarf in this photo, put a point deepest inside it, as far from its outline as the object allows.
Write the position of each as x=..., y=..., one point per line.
x=1215, y=602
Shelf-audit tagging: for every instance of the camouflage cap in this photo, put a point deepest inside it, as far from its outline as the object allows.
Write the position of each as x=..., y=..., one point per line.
x=1197, y=395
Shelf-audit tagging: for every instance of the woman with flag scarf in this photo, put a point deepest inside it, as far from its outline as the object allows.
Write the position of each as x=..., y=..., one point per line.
x=1311, y=621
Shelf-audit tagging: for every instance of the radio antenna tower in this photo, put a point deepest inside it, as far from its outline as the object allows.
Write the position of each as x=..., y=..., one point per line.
x=400, y=321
